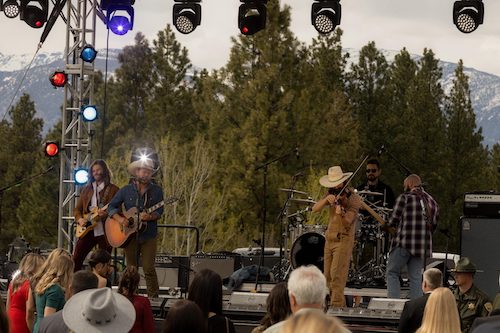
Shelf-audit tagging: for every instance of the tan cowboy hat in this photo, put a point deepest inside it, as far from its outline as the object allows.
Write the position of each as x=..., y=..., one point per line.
x=334, y=177
x=141, y=163
x=99, y=310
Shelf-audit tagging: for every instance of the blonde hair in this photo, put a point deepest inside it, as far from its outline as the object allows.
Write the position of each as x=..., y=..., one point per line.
x=55, y=253
x=29, y=265
x=441, y=313
x=59, y=271
x=312, y=321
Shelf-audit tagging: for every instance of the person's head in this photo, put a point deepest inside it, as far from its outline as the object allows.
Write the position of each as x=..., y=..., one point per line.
x=206, y=291
x=129, y=282
x=373, y=169
x=278, y=305
x=29, y=265
x=185, y=316
x=83, y=280
x=464, y=272
x=100, y=262
x=59, y=272
x=53, y=255
x=335, y=178
x=441, y=313
x=432, y=279
x=307, y=288
x=312, y=321
x=99, y=172
x=411, y=182
x=142, y=170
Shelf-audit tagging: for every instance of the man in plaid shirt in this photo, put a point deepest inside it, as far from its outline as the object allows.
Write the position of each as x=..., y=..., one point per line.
x=415, y=218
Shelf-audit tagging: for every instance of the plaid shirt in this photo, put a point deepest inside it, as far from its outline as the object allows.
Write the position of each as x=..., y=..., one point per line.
x=410, y=220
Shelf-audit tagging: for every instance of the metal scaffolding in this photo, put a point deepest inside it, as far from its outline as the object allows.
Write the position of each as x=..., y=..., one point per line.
x=76, y=134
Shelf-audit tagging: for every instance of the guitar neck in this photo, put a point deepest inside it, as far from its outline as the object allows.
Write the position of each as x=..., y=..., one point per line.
x=372, y=213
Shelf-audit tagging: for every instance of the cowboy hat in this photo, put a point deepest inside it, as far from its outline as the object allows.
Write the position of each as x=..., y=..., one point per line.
x=99, y=310
x=464, y=265
x=141, y=163
x=334, y=177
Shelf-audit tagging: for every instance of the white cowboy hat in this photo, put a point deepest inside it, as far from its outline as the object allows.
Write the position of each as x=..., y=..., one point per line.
x=141, y=163
x=99, y=310
x=334, y=177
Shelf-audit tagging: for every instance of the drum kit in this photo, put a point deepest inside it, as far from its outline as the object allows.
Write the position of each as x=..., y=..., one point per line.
x=304, y=243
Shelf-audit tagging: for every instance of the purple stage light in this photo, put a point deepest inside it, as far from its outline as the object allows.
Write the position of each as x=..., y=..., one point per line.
x=119, y=25
x=117, y=22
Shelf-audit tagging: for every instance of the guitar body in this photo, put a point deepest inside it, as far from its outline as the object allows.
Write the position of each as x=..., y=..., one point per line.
x=118, y=234
x=92, y=218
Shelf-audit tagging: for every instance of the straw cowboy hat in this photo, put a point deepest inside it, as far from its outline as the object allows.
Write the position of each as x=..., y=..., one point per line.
x=334, y=177
x=144, y=164
x=99, y=310
x=464, y=265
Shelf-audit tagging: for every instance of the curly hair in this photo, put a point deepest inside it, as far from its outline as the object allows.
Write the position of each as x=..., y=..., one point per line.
x=53, y=255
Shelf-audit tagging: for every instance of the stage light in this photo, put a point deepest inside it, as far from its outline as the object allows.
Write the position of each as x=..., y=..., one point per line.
x=325, y=15
x=252, y=16
x=51, y=149
x=118, y=23
x=186, y=15
x=145, y=154
x=468, y=15
x=10, y=8
x=88, y=53
x=34, y=12
x=89, y=112
x=81, y=176
x=58, y=79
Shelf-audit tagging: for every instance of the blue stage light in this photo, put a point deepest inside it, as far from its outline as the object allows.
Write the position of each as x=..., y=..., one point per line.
x=88, y=53
x=89, y=112
x=117, y=22
x=81, y=176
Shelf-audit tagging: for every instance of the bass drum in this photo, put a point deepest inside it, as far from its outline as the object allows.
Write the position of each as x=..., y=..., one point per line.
x=308, y=249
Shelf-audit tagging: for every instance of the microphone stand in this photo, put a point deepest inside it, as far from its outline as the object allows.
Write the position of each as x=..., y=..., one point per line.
x=264, y=208
x=384, y=149
x=137, y=253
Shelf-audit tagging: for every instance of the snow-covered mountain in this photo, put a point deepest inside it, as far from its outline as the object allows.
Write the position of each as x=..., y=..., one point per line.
x=485, y=87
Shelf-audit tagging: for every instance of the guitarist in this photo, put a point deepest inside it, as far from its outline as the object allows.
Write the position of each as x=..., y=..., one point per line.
x=97, y=193
x=142, y=193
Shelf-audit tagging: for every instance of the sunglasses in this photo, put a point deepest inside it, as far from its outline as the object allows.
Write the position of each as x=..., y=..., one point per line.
x=371, y=170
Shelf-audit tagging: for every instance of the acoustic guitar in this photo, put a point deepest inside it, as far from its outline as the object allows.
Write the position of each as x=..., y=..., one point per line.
x=92, y=218
x=119, y=234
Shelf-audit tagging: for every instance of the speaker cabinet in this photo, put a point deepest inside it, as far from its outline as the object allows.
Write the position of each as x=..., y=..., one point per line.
x=223, y=264
x=172, y=271
x=480, y=241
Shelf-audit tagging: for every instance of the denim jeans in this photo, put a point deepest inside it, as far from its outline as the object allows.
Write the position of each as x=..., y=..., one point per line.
x=399, y=257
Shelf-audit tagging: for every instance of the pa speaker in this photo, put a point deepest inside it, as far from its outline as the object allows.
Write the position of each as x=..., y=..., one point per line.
x=480, y=242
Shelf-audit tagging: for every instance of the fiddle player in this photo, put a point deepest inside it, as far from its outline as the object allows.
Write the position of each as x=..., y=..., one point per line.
x=343, y=213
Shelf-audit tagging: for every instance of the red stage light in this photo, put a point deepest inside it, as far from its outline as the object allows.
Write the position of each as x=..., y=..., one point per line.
x=59, y=79
x=51, y=149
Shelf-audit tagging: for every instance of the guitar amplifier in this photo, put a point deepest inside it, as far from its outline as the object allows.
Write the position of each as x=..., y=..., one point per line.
x=172, y=271
x=482, y=204
x=221, y=263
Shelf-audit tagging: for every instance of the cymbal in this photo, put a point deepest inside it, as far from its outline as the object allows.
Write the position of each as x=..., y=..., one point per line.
x=292, y=191
x=369, y=193
x=309, y=202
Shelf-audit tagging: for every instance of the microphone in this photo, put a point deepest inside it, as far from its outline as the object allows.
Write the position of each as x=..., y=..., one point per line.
x=297, y=153
x=381, y=150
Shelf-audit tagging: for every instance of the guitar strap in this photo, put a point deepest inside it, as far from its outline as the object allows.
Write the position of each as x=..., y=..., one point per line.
x=105, y=195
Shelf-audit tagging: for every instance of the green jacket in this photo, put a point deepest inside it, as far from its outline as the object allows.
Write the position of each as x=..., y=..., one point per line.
x=472, y=304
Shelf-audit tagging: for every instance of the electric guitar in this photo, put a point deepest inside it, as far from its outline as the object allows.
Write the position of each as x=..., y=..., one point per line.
x=119, y=234
x=377, y=217
x=92, y=219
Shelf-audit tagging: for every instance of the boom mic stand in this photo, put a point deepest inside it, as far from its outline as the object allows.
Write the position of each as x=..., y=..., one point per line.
x=384, y=149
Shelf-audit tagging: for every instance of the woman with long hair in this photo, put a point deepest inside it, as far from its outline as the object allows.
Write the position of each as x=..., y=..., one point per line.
x=129, y=283
x=441, y=313
x=185, y=316
x=206, y=291
x=50, y=291
x=19, y=289
x=278, y=307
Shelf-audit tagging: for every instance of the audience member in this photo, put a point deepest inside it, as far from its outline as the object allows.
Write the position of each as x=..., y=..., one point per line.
x=99, y=310
x=489, y=324
x=50, y=291
x=129, y=283
x=413, y=311
x=441, y=313
x=472, y=302
x=17, y=295
x=278, y=307
x=100, y=264
x=31, y=307
x=4, y=320
x=206, y=292
x=82, y=280
x=185, y=316
x=312, y=321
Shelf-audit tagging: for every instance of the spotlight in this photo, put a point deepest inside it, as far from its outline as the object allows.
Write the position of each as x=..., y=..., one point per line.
x=144, y=154
x=88, y=53
x=325, y=15
x=34, y=12
x=468, y=15
x=252, y=16
x=89, y=112
x=81, y=176
x=59, y=79
x=10, y=8
x=51, y=149
x=120, y=17
x=186, y=15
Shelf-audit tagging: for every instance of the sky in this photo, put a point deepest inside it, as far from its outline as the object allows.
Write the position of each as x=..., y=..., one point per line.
x=391, y=24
